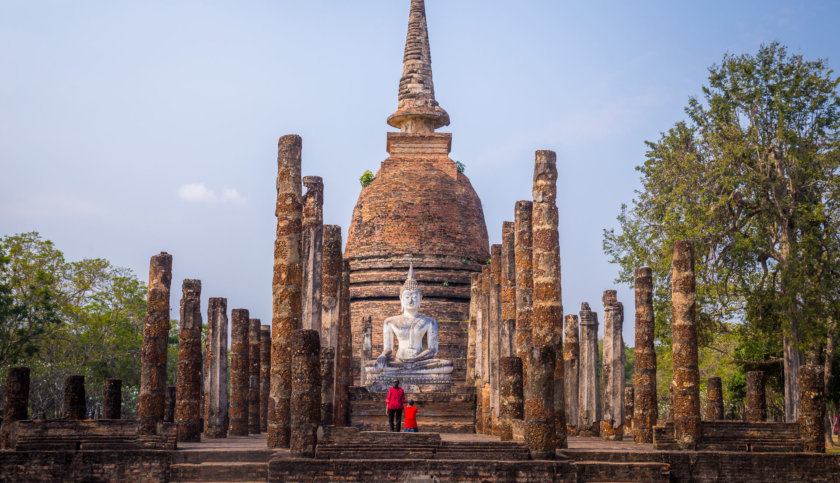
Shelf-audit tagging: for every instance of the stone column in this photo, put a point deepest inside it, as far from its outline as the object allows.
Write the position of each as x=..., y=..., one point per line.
x=327, y=385
x=524, y=281
x=216, y=370
x=306, y=392
x=812, y=408
x=254, y=332
x=547, y=316
x=188, y=389
x=152, y=396
x=330, y=285
x=714, y=399
x=512, y=396
x=367, y=346
x=286, y=287
x=169, y=402
x=112, y=399
x=312, y=243
x=540, y=435
x=344, y=352
x=571, y=360
x=239, y=373
x=644, y=359
x=16, y=400
x=265, y=374
x=589, y=397
x=756, y=399
x=486, y=288
x=486, y=411
x=495, y=333
x=612, y=418
x=508, y=291
x=628, y=408
x=73, y=406
x=471, y=328
x=686, y=381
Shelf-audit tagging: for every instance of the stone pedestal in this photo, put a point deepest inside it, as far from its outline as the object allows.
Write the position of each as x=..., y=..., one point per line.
x=411, y=380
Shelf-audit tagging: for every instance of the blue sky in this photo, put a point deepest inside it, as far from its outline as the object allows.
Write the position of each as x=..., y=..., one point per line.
x=127, y=128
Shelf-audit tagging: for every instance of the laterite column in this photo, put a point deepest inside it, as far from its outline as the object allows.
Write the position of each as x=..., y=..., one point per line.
x=471, y=328
x=628, y=409
x=327, y=385
x=495, y=292
x=306, y=392
x=645, y=411
x=239, y=373
x=508, y=291
x=265, y=374
x=188, y=389
x=331, y=263
x=571, y=360
x=216, y=370
x=589, y=397
x=312, y=243
x=152, y=396
x=714, y=399
x=112, y=399
x=539, y=403
x=343, y=352
x=254, y=332
x=169, y=404
x=756, y=398
x=286, y=287
x=812, y=408
x=74, y=405
x=612, y=418
x=686, y=381
x=524, y=281
x=512, y=396
x=16, y=400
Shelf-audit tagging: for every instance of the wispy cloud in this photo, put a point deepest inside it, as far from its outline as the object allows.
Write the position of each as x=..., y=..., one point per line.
x=199, y=193
x=49, y=206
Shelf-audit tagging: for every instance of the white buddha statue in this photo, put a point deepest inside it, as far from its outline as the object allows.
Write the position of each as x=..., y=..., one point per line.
x=413, y=360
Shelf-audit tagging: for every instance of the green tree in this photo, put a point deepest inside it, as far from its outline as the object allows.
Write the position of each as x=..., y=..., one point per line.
x=752, y=177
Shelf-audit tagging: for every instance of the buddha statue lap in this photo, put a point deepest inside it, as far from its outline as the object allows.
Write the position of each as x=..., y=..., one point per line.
x=413, y=362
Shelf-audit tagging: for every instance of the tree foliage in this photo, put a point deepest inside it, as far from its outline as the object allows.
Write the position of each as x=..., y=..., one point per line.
x=752, y=177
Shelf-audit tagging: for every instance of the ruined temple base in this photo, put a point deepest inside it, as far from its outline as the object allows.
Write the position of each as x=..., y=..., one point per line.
x=439, y=412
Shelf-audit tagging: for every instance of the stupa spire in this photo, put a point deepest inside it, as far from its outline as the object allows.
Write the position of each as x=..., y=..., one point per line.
x=417, y=110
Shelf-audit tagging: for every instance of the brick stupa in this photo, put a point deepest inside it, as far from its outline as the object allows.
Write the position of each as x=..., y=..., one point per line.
x=419, y=209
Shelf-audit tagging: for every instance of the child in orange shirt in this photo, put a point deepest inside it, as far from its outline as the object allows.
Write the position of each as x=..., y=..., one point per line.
x=410, y=418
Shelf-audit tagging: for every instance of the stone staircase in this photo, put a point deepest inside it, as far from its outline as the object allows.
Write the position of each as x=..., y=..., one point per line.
x=482, y=450
x=214, y=465
x=736, y=436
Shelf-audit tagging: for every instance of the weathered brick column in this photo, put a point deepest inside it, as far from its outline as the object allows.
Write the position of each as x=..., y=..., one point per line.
x=239, y=373
x=475, y=292
x=112, y=399
x=312, y=244
x=524, y=281
x=216, y=370
x=756, y=398
x=16, y=400
x=645, y=411
x=686, y=382
x=540, y=435
x=74, y=406
x=327, y=385
x=265, y=374
x=306, y=391
x=169, y=402
x=343, y=352
x=508, y=291
x=512, y=396
x=495, y=296
x=486, y=287
x=629, y=393
x=714, y=399
x=812, y=408
x=330, y=285
x=486, y=410
x=589, y=399
x=571, y=359
x=188, y=389
x=547, y=317
x=254, y=332
x=612, y=418
x=286, y=287
x=152, y=396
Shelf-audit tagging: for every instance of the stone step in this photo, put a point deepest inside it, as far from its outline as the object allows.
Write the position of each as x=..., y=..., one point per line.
x=222, y=471
x=217, y=456
x=602, y=471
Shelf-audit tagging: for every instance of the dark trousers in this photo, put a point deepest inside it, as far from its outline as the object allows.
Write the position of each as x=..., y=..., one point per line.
x=395, y=419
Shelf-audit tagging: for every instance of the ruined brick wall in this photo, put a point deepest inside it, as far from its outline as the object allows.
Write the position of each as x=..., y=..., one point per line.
x=419, y=209
x=99, y=465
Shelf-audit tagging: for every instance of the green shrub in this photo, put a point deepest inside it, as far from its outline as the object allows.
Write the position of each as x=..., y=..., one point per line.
x=366, y=178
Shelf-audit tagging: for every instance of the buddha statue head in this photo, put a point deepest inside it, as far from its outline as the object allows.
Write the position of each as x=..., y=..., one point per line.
x=410, y=297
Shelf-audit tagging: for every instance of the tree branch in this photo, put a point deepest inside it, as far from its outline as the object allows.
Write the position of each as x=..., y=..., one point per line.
x=768, y=362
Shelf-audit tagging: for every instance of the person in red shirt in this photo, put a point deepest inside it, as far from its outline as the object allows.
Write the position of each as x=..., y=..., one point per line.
x=410, y=418
x=395, y=402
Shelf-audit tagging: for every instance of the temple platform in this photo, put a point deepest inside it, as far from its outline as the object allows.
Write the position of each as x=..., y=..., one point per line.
x=437, y=412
